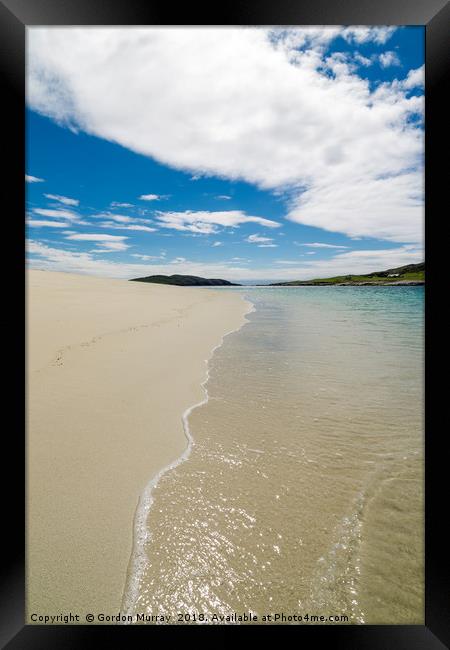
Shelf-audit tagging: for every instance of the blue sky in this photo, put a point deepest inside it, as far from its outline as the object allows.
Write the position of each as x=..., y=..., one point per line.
x=246, y=154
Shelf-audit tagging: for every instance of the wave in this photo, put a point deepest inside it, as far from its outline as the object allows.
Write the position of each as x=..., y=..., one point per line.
x=142, y=534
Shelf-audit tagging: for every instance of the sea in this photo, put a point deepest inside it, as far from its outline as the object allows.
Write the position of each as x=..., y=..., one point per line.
x=301, y=492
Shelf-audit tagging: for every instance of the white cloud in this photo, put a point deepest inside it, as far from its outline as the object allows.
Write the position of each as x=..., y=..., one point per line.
x=289, y=262
x=207, y=222
x=33, y=179
x=415, y=78
x=388, y=59
x=316, y=38
x=364, y=261
x=387, y=208
x=109, y=242
x=217, y=243
x=62, y=199
x=262, y=242
x=359, y=261
x=150, y=197
x=123, y=222
x=57, y=214
x=54, y=259
x=114, y=246
x=147, y=258
x=110, y=249
x=115, y=226
x=223, y=197
x=257, y=239
x=120, y=218
x=95, y=237
x=319, y=245
x=243, y=103
x=363, y=60
x=39, y=223
x=363, y=34
x=117, y=204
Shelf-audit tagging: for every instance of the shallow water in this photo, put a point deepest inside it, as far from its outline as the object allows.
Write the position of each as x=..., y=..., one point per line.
x=303, y=491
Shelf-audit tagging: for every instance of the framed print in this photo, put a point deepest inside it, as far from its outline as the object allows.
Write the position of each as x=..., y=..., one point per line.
x=227, y=380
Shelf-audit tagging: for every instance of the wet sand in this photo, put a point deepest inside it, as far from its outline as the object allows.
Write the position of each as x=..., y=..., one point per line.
x=303, y=493
x=111, y=367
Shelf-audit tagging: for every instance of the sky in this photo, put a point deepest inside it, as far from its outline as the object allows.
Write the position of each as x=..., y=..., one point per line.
x=248, y=154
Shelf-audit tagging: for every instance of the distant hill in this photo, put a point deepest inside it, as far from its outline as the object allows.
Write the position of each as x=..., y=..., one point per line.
x=402, y=275
x=186, y=281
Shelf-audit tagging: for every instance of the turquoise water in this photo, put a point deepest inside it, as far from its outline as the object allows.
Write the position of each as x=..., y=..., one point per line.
x=303, y=492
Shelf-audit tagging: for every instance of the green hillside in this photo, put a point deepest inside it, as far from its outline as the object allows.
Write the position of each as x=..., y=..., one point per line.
x=409, y=274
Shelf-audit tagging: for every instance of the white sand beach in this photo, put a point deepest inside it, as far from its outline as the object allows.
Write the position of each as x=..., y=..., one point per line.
x=111, y=367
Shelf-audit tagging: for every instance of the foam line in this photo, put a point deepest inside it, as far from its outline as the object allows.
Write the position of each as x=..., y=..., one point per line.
x=142, y=534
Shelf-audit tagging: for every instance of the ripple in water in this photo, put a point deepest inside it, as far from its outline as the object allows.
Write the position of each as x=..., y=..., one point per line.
x=302, y=492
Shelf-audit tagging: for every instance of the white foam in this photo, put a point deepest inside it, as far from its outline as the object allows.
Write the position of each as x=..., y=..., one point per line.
x=142, y=534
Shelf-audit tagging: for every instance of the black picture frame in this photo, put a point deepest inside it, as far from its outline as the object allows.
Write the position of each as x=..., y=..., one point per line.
x=15, y=15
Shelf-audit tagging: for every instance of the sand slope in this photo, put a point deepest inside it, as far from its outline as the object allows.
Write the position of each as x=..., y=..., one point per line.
x=111, y=366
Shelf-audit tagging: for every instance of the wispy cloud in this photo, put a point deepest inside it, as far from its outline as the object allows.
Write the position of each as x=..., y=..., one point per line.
x=59, y=213
x=117, y=226
x=318, y=245
x=119, y=218
x=148, y=258
x=257, y=239
x=151, y=197
x=52, y=258
x=204, y=222
x=289, y=262
x=33, y=179
x=363, y=60
x=117, y=204
x=123, y=222
x=62, y=199
x=110, y=242
x=39, y=223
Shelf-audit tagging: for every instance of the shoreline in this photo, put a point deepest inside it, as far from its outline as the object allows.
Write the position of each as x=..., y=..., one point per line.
x=141, y=532
x=406, y=283
x=112, y=370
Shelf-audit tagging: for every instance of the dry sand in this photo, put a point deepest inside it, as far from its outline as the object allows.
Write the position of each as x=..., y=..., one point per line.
x=111, y=367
